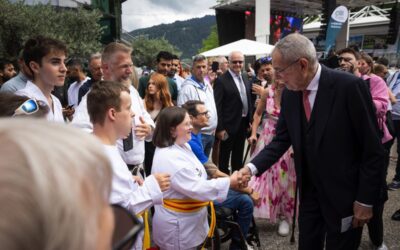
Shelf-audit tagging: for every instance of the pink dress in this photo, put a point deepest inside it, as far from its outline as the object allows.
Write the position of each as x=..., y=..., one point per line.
x=277, y=185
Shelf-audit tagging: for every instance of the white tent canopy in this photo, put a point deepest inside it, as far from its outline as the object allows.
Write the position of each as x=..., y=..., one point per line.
x=247, y=47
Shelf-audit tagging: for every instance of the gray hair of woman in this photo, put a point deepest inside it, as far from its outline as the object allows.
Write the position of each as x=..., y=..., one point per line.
x=55, y=183
x=295, y=46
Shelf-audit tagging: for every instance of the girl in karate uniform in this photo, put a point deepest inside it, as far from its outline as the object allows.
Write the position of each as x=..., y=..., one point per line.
x=181, y=222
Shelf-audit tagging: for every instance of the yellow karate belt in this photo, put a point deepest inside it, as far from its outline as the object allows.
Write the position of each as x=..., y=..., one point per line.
x=146, y=237
x=190, y=206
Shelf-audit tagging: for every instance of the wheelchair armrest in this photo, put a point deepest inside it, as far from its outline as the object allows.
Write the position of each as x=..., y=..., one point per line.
x=223, y=212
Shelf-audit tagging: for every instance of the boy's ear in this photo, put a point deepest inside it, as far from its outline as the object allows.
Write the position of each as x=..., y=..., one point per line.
x=111, y=114
x=34, y=66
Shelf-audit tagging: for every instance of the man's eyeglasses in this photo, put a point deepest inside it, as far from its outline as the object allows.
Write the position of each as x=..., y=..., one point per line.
x=205, y=113
x=236, y=62
x=27, y=108
x=127, y=227
x=346, y=59
x=282, y=70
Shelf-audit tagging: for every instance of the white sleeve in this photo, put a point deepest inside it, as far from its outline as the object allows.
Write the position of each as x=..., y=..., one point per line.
x=81, y=117
x=142, y=198
x=189, y=184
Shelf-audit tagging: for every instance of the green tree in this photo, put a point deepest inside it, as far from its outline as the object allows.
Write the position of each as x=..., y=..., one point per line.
x=211, y=41
x=145, y=50
x=78, y=28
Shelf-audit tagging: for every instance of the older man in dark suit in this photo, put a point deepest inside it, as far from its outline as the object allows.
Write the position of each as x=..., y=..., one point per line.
x=329, y=119
x=232, y=94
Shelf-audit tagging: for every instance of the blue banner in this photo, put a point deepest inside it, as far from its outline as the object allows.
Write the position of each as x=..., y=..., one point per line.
x=338, y=18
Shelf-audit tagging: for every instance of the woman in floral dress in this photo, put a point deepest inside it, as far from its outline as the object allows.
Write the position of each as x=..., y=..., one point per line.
x=277, y=185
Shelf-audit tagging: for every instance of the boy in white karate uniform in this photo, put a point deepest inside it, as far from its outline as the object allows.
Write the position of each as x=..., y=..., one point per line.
x=109, y=108
x=45, y=58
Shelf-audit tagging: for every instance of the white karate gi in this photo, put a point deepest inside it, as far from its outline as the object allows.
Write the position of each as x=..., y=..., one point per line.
x=175, y=230
x=127, y=193
x=33, y=91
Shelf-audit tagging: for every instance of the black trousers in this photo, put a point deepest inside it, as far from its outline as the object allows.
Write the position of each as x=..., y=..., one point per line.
x=233, y=148
x=149, y=150
x=396, y=124
x=313, y=232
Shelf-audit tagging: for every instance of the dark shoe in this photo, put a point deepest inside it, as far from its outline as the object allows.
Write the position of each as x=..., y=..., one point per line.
x=394, y=185
x=396, y=215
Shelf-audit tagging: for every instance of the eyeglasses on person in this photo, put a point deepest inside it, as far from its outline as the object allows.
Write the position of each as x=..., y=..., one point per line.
x=236, y=62
x=205, y=113
x=279, y=71
x=29, y=107
x=127, y=227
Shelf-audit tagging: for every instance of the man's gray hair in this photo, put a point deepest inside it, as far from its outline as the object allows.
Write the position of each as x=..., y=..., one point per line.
x=234, y=52
x=198, y=58
x=54, y=183
x=221, y=59
x=296, y=46
x=95, y=56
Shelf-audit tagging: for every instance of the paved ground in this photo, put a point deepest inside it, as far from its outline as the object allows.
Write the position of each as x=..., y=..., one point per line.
x=271, y=240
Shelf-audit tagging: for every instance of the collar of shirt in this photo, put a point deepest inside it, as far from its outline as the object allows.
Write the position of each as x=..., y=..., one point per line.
x=234, y=75
x=201, y=85
x=23, y=76
x=313, y=87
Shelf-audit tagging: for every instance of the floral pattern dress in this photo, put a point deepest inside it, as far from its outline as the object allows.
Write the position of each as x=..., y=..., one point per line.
x=277, y=185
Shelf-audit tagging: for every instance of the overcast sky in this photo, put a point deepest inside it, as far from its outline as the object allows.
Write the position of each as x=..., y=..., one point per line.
x=138, y=14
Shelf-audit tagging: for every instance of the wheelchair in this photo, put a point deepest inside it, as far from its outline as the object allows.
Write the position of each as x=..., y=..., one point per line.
x=226, y=225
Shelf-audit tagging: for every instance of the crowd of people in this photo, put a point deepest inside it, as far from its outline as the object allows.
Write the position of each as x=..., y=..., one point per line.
x=170, y=143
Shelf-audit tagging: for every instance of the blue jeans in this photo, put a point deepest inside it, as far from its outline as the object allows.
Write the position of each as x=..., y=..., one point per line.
x=243, y=204
x=208, y=143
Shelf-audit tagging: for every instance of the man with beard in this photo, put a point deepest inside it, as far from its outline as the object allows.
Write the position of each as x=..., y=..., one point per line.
x=78, y=78
x=163, y=66
x=117, y=66
x=174, y=72
x=7, y=71
x=19, y=81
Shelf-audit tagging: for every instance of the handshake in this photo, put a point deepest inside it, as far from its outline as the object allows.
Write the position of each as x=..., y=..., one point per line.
x=240, y=179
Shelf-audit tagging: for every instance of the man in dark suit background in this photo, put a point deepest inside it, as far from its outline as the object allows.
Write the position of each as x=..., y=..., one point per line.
x=232, y=94
x=329, y=119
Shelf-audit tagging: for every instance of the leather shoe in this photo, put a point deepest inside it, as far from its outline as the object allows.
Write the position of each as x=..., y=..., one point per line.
x=396, y=215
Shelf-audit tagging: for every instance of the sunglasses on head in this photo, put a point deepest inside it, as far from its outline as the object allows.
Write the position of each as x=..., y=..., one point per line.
x=265, y=60
x=27, y=108
x=127, y=227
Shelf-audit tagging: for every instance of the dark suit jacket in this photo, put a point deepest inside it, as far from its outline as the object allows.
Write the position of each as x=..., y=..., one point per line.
x=229, y=104
x=347, y=162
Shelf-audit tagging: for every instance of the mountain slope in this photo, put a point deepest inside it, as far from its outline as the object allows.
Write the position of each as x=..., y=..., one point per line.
x=186, y=35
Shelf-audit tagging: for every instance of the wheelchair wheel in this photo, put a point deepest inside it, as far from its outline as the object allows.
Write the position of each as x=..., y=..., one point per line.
x=224, y=232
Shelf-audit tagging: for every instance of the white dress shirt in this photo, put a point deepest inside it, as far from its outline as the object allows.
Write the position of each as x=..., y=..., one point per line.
x=32, y=91
x=238, y=79
x=175, y=230
x=73, y=92
x=313, y=88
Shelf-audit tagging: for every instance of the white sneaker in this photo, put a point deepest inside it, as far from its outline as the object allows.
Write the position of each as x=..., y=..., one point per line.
x=283, y=228
x=249, y=247
x=382, y=247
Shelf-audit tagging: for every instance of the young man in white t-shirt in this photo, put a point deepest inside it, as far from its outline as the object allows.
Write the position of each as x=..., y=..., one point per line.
x=109, y=108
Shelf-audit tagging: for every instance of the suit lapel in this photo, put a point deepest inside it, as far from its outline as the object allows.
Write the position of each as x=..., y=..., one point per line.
x=233, y=85
x=323, y=104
